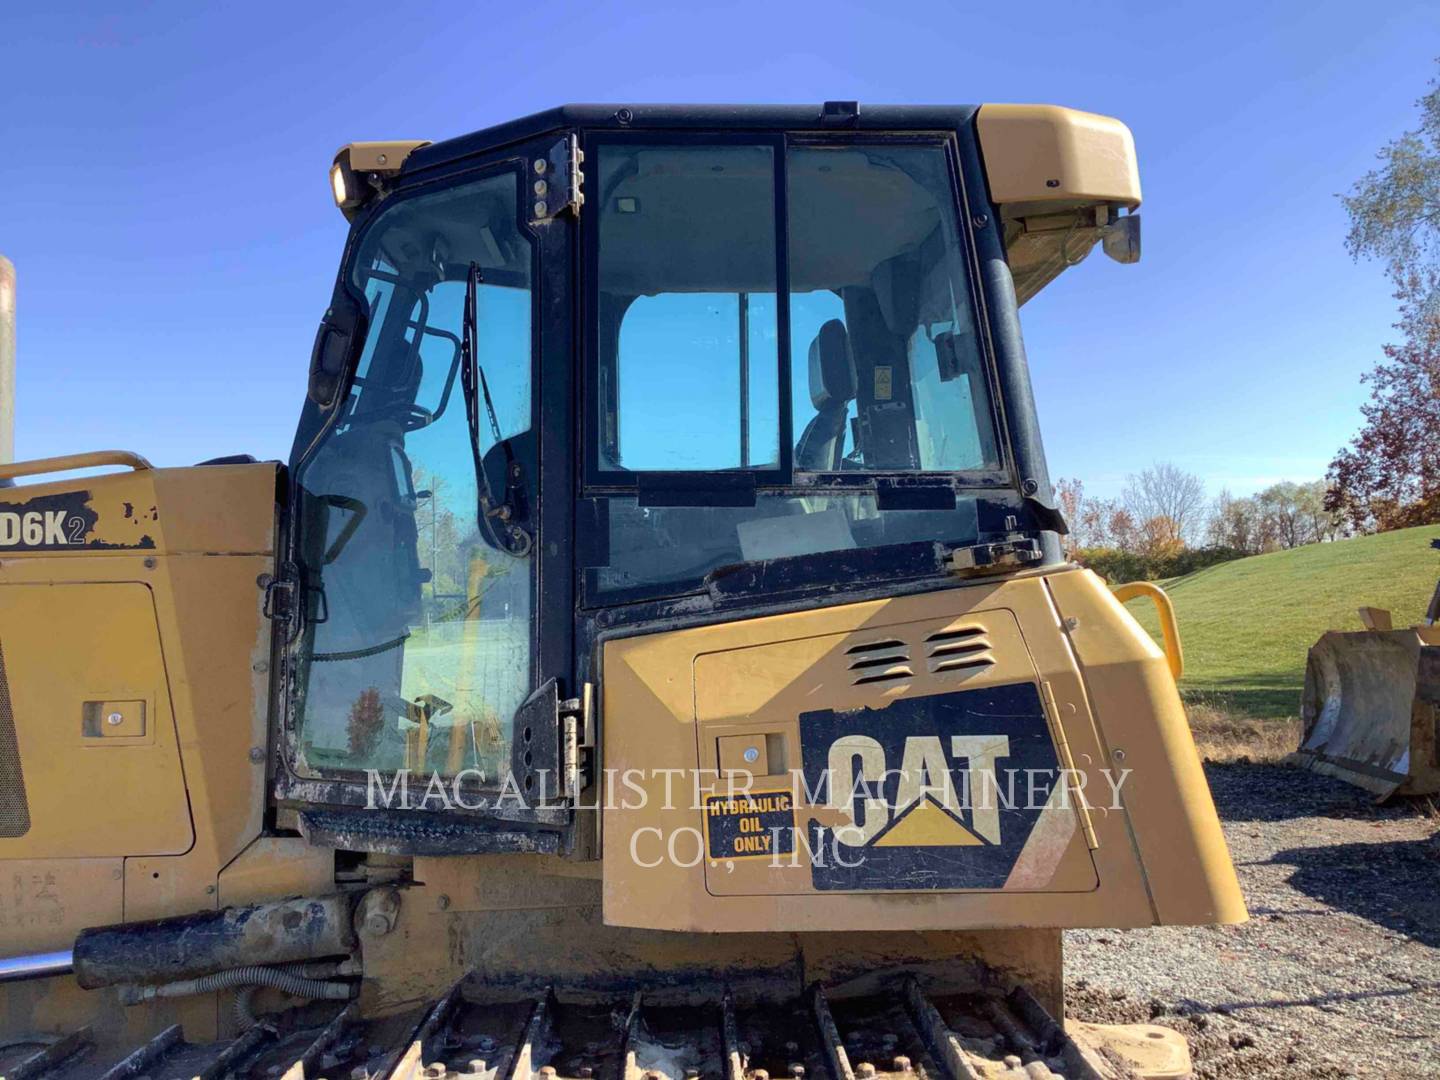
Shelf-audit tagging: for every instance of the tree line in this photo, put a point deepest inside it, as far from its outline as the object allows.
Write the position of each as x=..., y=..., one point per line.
x=1386, y=477
x=1163, y=524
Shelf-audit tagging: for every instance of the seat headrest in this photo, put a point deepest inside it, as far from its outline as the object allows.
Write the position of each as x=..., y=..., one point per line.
x=832, y=372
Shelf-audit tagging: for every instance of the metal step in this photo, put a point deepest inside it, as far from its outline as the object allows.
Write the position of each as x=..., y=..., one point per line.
x=899, y=1034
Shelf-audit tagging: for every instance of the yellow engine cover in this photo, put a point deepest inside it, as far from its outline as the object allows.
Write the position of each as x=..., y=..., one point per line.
x=134, y=677
x=99, y=772
x=1005, y=754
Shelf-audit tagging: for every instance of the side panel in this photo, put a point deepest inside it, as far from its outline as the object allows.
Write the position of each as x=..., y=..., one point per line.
x=916, y=702
x=99, y=763
x=146, y=602
x=926, y=715
x=1146, y=737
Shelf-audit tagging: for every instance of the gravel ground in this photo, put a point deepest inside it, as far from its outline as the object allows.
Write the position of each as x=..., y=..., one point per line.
x=1336, y=974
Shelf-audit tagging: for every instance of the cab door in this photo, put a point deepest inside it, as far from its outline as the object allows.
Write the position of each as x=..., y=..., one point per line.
x=424, y=547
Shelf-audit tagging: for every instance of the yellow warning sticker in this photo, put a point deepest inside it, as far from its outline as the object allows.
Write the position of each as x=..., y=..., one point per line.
x=750, y=825
x=883, y=382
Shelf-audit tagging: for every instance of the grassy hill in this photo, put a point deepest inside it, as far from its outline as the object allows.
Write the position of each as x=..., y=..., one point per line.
x=1246, y=625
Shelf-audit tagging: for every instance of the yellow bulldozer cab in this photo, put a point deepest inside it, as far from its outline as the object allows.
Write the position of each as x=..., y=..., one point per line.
x=656, y=656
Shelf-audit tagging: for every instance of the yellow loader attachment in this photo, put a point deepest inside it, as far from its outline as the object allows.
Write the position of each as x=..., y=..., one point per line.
x=1369, y=709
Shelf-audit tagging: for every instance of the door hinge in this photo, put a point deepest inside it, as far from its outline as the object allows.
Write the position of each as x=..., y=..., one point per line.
x=577, y=732
x=548, y=735
x=557, y=182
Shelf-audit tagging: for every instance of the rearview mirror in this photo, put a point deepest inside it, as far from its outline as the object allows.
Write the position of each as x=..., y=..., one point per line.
x=1121, y=239
x=334, y=344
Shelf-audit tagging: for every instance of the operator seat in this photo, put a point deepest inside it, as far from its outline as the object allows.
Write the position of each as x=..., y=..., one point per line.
x=832, y=388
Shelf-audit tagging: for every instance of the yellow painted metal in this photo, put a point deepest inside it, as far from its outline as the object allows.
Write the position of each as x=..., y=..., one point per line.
x=277, y=867
x=133, y=619
x=1142, y=729
x=356, y=164
x=94, y=459
x=66, y=644
x=1169, y=628
x=1059, y=178
x=1373, y=618
x=1046, y=155
x=743, y=754
x=137, y=826
x=113, y=720
x=1156, y=856
x=44, y=898
x=381, y=157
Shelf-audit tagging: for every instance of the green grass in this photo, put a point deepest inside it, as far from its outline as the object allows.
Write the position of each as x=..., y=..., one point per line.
x=1246, y=625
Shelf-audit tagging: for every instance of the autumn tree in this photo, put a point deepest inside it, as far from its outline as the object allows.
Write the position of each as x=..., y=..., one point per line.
x=1389, y=475
x=1159, y=538
x=1284, y=515
x=1096, y=523
x=1234, y=523
x=1166, y=496
x=365, y=724
x=1071, y=496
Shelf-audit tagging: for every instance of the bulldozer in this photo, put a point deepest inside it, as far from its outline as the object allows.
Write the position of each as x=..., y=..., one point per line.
x=1370, y=710
x=656, y=659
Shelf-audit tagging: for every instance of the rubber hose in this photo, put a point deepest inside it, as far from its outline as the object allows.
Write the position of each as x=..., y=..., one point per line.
x=245, y=1017
x=244, y=1004
x=254, y=975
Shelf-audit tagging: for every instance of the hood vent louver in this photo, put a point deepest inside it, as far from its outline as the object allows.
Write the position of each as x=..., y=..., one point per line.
x=952, y=653
x=886, y=661
x=965, y=648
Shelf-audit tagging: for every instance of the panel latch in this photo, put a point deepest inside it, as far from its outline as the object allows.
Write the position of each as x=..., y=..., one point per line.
x=996, y=557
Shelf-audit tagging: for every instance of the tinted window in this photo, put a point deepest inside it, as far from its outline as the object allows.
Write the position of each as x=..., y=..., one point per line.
x=688, y=342
x=419, y=652
x=887, y=369
x=678, y=545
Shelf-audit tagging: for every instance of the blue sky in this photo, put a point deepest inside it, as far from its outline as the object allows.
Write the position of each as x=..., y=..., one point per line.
x=163, y=193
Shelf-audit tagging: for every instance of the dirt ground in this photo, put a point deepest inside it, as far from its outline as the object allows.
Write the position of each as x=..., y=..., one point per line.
x=1336, y=974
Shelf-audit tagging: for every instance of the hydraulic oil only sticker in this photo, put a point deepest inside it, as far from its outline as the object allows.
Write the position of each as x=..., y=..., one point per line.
x=750, y=824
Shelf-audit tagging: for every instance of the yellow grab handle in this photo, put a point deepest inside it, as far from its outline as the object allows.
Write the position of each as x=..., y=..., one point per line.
x=70, y=462
x=1169, y=629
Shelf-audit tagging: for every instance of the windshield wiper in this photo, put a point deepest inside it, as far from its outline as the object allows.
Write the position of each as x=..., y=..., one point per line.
x=510, y=536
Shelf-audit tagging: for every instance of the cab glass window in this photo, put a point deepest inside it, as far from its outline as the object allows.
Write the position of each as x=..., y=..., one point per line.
x=794, y=310
x=887, y=372
x=686, y=312
x=418, y=646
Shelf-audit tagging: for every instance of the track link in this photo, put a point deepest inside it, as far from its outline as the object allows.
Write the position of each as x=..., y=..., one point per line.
x=903, y=1034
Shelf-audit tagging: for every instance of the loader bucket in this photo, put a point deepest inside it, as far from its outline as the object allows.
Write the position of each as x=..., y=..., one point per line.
x=1368, y=714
